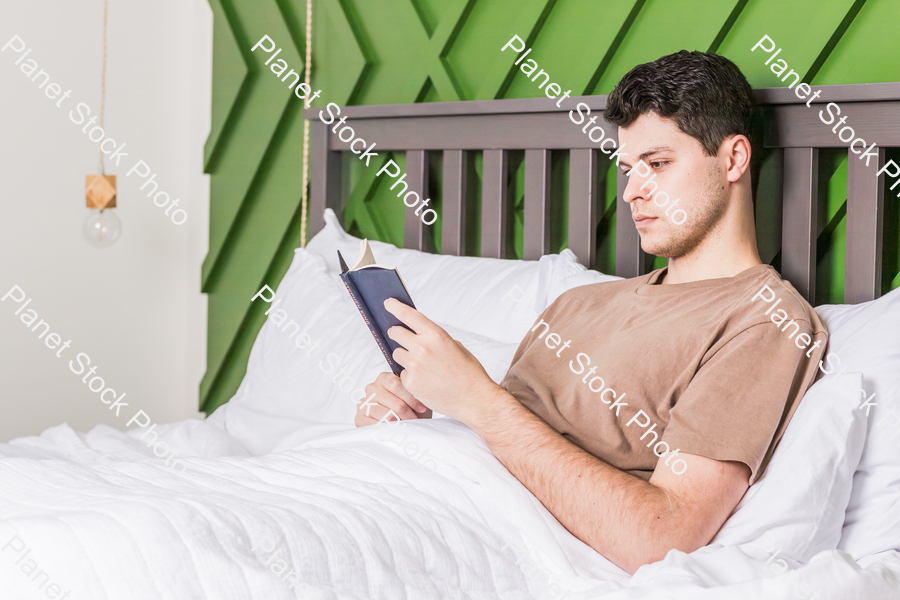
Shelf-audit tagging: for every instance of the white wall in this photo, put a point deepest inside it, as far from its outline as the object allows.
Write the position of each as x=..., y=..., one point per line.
x=135, y=308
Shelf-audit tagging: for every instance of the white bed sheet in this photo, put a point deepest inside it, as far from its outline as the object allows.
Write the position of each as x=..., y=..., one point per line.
x=349, y=512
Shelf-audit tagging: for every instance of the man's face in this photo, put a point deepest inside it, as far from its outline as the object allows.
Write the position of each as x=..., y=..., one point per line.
x=684, y=174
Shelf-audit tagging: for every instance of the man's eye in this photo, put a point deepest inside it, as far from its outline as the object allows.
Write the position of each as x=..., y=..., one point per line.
x=658, y=163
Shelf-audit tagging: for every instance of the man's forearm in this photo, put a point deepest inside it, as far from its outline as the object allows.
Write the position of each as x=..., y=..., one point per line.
x=628, y=520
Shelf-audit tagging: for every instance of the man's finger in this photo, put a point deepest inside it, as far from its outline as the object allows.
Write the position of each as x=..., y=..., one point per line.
x=379, y=413
x=402, y=336
x=410, y=316
x=362, y=420
x=400, y=408
x=394, y=385
x=392, y=394
x=401, y=357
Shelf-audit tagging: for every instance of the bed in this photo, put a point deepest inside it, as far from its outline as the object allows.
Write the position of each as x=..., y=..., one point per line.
x=283, y=498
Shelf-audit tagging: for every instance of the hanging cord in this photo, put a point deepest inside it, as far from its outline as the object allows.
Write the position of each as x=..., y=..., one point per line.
x=307, y=69
x=103, y=80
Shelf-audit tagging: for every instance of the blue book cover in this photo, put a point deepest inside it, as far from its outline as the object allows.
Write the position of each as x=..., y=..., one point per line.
x=370, y=285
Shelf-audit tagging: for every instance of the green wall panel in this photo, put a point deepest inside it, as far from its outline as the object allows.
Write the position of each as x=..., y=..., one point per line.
x=867, y=52
x=401, y=51
x=662, y=27
x=802, y=29
x=475, y=57
x=341, y=56
x=590, y=44
x=229, y=74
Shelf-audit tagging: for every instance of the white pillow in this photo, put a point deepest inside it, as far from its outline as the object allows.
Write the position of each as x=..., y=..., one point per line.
x=292, y=394
x=471, y=293
x=800, y=500
x=866, y=337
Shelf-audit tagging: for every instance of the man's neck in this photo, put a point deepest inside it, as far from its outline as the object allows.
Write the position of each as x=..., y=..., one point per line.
x=717, y=256
x=714, y=269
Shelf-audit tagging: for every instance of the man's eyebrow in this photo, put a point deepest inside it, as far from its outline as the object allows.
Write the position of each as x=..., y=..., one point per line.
x=655, y=150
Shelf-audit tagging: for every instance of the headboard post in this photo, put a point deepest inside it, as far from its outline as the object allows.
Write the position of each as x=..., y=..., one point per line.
x=453, y=203
x=324, y=178
x=536, y=237
x=865, y=228
x=494, y=203
x=416, y=234
x=800, y=220
x=583, y=209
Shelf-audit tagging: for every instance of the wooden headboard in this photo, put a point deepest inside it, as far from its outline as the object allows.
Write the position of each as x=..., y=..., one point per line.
x=535, y=125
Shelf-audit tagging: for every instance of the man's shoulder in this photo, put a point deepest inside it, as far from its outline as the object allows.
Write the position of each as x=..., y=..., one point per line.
x=598, y=290
x=768, y=295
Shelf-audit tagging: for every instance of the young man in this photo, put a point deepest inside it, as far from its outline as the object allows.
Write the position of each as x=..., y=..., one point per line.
x=683, y=381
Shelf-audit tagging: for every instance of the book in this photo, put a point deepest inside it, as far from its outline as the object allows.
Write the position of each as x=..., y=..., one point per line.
x=370, y=284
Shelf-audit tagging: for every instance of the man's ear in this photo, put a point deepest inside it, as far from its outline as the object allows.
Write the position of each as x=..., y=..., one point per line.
x=737, y=152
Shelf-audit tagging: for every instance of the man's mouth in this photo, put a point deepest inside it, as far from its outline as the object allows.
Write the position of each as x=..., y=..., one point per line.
x=642, y=220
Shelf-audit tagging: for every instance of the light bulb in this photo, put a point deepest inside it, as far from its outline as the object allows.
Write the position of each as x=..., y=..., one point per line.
x=102, y=227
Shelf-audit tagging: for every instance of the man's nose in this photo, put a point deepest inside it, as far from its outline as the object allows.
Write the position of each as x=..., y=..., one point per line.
x=633, y=189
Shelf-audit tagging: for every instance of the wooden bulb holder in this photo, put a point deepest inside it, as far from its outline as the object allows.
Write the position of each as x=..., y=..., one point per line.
x=100, y=191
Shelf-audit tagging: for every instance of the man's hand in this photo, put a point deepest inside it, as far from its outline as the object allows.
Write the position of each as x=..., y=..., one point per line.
x=387, y=394
x=439, y=371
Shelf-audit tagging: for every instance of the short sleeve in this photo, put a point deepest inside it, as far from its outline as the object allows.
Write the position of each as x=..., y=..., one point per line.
x=741, y=399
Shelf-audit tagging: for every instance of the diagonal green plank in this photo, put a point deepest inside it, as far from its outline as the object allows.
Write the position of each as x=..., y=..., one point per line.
x=427, y=15
x=229, y=76
x=359, y=38
x=362, y=215
x=475, y=55
x=802, y=31
x=431, y=12
x=442, y=39
x=660, y=30
x=839, y=32
x=266, y=100
x=403, y=63
x=587, y=43
x=727, y=25
x=871, y=37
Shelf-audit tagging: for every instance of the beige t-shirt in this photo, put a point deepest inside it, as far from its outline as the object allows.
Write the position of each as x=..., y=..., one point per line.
x=712, y=373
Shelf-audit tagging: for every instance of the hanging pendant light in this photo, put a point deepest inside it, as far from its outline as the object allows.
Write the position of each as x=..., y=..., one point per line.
x=102, y=227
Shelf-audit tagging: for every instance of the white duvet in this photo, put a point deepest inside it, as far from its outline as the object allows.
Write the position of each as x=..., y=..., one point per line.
x=350, y=513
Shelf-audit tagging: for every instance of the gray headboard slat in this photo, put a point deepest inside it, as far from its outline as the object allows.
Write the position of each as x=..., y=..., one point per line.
x=417, y=235
x=453, y=207
x=494, y=203
x=865, y=230
x=537, y=126
x=800, y=220
x=584, y=208
x=324, y=176
x=536, y=234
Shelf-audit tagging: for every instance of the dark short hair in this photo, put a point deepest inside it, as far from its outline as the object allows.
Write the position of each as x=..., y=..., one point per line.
x=705, y=94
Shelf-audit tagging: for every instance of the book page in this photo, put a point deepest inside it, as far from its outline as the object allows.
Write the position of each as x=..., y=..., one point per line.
x=366, y=257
